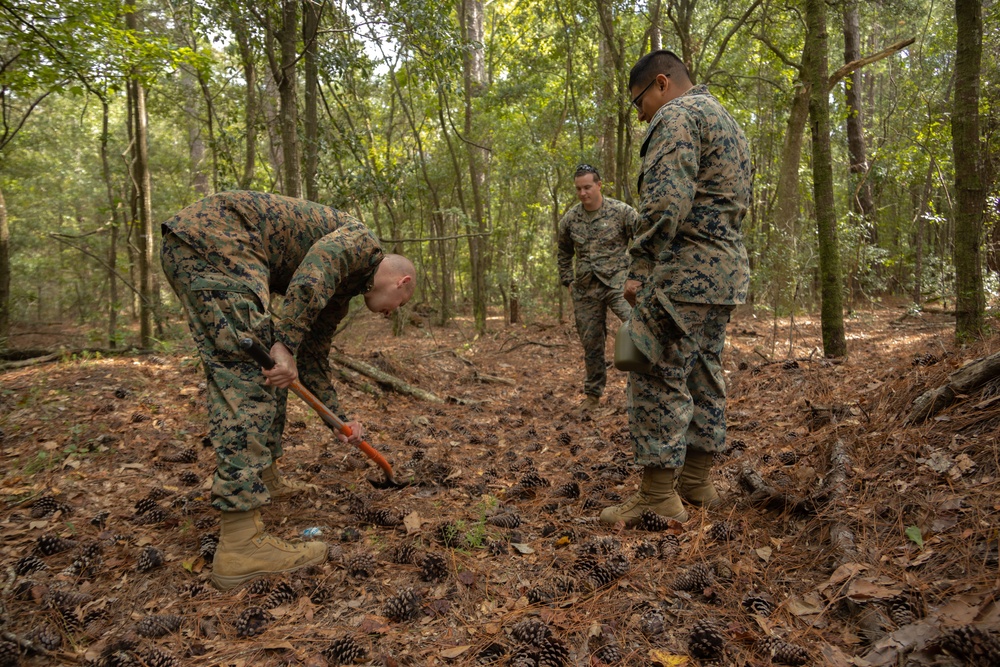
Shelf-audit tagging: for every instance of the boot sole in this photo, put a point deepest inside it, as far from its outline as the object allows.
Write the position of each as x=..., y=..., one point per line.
x=225, y=583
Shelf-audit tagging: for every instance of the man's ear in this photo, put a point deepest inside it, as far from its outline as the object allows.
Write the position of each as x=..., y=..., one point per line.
x=404, y=280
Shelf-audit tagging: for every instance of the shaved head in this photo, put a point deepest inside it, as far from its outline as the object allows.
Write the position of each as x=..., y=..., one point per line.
x=395, y=282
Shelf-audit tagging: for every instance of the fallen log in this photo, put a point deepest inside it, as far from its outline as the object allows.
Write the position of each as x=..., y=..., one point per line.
x=384, y=378
x=965, y=380
x=24, y=363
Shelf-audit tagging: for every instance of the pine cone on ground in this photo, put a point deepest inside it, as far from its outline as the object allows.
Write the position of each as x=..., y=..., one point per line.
x=385, y=518
x=524, y=656
x=531, y=631
x=28, y=564
x=539, y=595
x=207, y=545
x=505, y=520
x=189, y=478
x=281, y=594
x=404, y=606
x=564, y=438
x=344, y=651
x=609, y=654
x=696, y=578
x=152, y=517
x=143, y=505
x=976, y=646
x=651, y=622
x=87, y=562
x=669, y=547
x=497, y=547
x=433, y=568
x=491, y=654
x=67, y=604
x=320, y=595
x=259, y=586
x=533, y=480
x=188, y=455
x=571, y=490
x=46, y=636
x=46, y=506
x=404, y=554
x=706, y=640
x=49, y=544
x=150, y=559
x=783, y=652
x=645, y=549
x=652, y=521
x=723, y=531
x=759, y=603
x=553, y=653
x=156, y=657
x=361, y=564
x=10, y=654
x=252, y=621
x=158, y=625
x=901, y=610
x=449, y=534
x=585, y=562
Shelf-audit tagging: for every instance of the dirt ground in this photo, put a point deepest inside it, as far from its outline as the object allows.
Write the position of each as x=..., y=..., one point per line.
x=845, y=538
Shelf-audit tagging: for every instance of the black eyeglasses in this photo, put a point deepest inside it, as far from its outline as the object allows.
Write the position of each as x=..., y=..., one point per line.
x=638, y=98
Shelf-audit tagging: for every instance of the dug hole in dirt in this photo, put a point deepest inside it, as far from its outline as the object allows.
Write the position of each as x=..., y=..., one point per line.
x=852, y=532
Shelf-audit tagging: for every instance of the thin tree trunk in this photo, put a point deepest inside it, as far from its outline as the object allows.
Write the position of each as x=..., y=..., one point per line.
x=310, y=26
x=654, y=26
x=814, y=64
x=285, y=78
x=196, y=145
x=919, y=223
x=239, y=28
x=861, y=189
x=969, y=190
x=786, y=210
x=113, y=243
x=143, y=186
x=4, y=274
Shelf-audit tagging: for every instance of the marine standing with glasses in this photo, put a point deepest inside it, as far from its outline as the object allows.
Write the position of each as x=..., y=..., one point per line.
x=597, y=232
x=687, y=271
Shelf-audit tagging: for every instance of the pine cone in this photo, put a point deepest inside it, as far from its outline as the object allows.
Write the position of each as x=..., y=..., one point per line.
x=150, y=558
x=158, y=493
x=491, y=654
x=100, y=519
x=531, y=631
x=901, y=610
x=722, y=531
x=158, y=625
x=533, y=480
x=784, y=653
x=505, y=520
x=49, y=544
x=188, y=455
x=585, y=562
x=151, y=517
x=281, y=594
x=344, y=651
x=45, y=636
x=207, y=545
x=497, y=547
x=404, y=554
x=706, y=640
x=539, y=595
x=404, y=606
x=189, y=478
x=259, y=586
x=575, y=449
x=571, y=490
x=646, y=549
x=47, y=506
x=609, y=654
x=87, y=562
x=144, y=505
x=581, y=476
x=28, y=564
x=320, y=595
x=787, y=458
x=361, y=565
x=553, y=653
x=564, y=438
x=433, y=568
x=385, y=518
x=350, y=534
x=156, y=657
x=652, y=521
x=696, y=578
x=651, y=622
x=252, y=621
x=758, y=603
x=10, y=655
x=976, y=646
x=524, y=656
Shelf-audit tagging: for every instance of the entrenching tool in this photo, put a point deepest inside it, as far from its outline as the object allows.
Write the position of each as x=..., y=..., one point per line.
x=262, y=357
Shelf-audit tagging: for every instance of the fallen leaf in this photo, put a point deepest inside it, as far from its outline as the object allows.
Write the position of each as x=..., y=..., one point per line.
x=466, y=577
x=189, y=391
x=764, y=553
x=412, y=522
x=522, y=548
x=455, y=652
x=664, y=659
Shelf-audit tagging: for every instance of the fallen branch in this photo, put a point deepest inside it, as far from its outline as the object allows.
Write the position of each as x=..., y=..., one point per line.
x=353, y=379
x=384, y=378
x=529, y=342
x=483, y=377
x=34, y=361
x=963, y=381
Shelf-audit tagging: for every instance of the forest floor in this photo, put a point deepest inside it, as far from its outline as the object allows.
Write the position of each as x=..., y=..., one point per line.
x=874, y=539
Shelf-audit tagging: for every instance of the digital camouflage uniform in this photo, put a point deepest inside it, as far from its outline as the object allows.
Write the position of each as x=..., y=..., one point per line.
x=598, y=239
x=688, y=252
x=224, y=256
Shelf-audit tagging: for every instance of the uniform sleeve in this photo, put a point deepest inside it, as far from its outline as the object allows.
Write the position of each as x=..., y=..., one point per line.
x=631, y=221
x=566, y=250
x=331, y=262
x=668, y=188
x=313, y=358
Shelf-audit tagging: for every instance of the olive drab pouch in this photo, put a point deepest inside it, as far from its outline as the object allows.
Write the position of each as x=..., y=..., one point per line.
x=627, y=356
x=229, y=310
x=653, y=327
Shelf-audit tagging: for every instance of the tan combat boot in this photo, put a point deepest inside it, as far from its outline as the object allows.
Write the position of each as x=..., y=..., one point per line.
x=245, y=551
x=656, y=493
x=588, y=405
x=694, y=484
x=281, y=487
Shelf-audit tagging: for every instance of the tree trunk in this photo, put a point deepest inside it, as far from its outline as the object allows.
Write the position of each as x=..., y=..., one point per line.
x=654, y=26
x=310, y=26
x=196, y=145
x=4, y=274
x=113, y=243
x=607, y=122
x=239, y=28
x=814, y=65
x=861, y=189
x=969, y=191
x=286, y=80
x=140, y=175
x=919, y=223
x=471, y=12
x=786, y=210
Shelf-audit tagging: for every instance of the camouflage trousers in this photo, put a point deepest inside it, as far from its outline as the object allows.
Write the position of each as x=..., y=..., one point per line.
x=682, y=404
x=246, y=418
x=591, y=300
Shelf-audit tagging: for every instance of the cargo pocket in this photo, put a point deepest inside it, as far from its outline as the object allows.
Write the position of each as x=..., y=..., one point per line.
x=229, y=310
x=655, y=325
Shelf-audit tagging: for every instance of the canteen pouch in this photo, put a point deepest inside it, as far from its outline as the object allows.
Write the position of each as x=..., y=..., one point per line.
x=653, y=327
